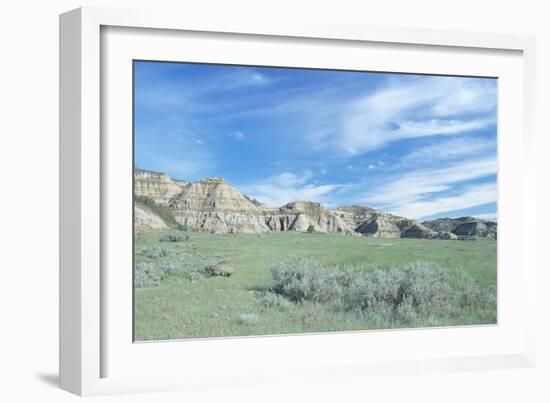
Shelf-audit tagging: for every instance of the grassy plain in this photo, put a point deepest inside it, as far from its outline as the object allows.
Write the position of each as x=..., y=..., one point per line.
x=218, y=306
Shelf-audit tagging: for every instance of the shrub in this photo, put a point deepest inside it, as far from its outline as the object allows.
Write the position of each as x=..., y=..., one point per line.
x=420, y=285
x=379, y=286
x=385, y=296
x=469, y=294
x=174, y=237
x=206, y=267
x=490, y=296
x=310, y=229
x=274, y=301
x=155, y=252
x=247, y=319
x=149, y=274
x=300, y=279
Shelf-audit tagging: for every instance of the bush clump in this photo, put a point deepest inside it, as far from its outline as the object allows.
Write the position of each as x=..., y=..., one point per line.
x=274, y=301
x=247, y=319
x=207, y=267
x=420, y=286
x=155, y=252
x=399, y=294
x=151, y=273
x=300, y=279
x=174, y=237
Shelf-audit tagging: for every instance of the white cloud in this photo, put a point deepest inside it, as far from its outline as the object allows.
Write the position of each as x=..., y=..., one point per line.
x=239, y=78
x=258, y=78
x=182, y=156
x=238, y=135
x=184, y=95
x=291, y=179
x=474, y=195
x=430, y=106
x=414, y=194
x=449, y=149
x=286, y=187
x=433, y=127
x=371, y=166
x=179, y=168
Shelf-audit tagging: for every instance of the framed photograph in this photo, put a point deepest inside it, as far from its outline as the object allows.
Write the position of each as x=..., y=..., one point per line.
x=245, y=201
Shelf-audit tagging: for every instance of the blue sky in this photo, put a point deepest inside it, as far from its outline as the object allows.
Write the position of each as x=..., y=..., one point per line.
x=417, y=146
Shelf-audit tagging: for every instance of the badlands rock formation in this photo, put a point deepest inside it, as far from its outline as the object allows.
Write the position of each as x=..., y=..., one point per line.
x=156, y=185
x=212, y=205
x=372, y=222
x=144, y=218
x=464, y=226
x=300, y=216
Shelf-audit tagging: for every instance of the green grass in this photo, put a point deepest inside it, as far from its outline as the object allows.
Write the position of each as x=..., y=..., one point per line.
x=181, y=306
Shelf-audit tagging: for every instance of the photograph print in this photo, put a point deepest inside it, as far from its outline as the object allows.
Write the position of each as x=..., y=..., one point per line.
x=273, y=200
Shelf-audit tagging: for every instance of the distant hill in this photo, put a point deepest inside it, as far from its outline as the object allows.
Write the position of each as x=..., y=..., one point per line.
x=213, y=205
x=464, y=226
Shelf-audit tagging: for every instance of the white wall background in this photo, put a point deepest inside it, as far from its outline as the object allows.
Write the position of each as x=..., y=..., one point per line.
x=29, y=201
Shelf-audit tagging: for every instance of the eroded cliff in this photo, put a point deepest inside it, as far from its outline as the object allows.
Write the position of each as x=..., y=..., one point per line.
x=213, y=205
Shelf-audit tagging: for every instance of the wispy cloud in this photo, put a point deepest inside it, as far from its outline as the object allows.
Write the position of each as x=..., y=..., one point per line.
x=472, y=196
x=188, y=168
x=291, y=179
x=180, y=153
x=450, y=149
x=409, y=144
x=187, y=95
x=286, y=187
x=419, y=192
x=237, y=135
x=425, y=107
x=238, y=78
x=259, y=78
x=361, y=120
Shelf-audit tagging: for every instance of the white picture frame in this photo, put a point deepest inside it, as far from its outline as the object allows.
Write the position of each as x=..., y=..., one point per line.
x=96, y=356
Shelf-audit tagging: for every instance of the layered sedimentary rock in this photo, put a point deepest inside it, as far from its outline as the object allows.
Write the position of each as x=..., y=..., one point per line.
x=372, y=222
x=355, y=215
x=156, y=185
x=380, y=226
x=464, y=226
x=212, y=205
x=304, y=216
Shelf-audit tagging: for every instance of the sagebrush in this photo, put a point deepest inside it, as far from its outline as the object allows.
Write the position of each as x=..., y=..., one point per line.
x=148, y=274
x=247, y=319
x=198, y=301
x=403, y=294
x=174, y=237
x=156, y=264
